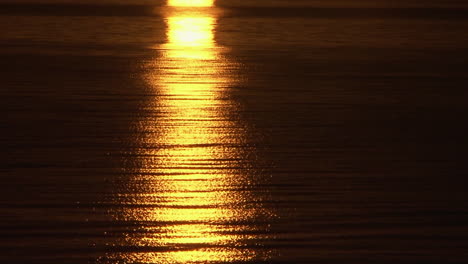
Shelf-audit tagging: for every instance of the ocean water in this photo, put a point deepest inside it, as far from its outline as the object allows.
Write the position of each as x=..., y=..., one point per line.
x=233, y=132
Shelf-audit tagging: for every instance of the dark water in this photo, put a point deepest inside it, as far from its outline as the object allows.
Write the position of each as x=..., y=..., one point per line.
x=253, y=132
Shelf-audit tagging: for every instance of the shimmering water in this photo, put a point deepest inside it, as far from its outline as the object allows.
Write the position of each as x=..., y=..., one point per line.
x=233, y=132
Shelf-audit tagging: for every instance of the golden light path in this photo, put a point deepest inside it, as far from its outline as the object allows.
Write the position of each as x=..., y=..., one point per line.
x=196, y=188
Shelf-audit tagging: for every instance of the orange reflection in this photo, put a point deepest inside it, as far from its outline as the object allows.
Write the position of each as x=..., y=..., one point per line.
x=195, y=184
x=191, y=80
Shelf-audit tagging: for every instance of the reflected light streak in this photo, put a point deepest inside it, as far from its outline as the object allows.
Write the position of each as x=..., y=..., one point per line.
x=191, y=83
x=196, y=192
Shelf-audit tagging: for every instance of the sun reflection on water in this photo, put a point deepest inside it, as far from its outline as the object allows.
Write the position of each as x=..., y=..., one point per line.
x=195, y=202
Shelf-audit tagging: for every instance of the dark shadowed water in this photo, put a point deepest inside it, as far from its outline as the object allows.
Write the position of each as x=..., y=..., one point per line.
x=233, y=132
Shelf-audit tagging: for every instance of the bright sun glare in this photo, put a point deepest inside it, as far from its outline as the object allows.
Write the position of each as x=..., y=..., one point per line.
x=200, y=3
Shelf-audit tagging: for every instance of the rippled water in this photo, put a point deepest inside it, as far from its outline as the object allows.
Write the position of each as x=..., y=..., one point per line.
x=233, y=132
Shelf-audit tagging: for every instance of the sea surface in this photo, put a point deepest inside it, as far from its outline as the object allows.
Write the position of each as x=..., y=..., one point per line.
x=198, y=131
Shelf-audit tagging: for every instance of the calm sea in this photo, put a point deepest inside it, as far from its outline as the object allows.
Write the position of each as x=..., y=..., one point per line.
x=200, y=131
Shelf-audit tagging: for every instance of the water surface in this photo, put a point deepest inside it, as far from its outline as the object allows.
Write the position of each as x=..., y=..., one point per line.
x=226, y=132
